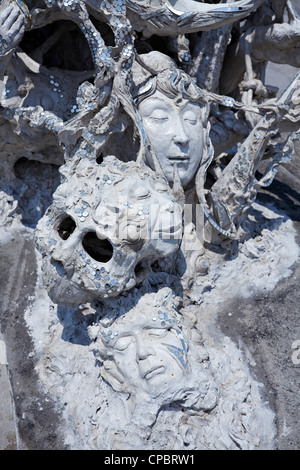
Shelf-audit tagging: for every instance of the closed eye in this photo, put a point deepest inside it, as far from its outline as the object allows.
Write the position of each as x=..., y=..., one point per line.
x=123, y=343
x=191, y=121
x=190, y=117
x=159, y=116
x=157, y=332
x=159, y=119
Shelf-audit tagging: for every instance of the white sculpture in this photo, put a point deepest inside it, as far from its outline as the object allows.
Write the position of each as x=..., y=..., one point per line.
x=117, y=215
x=147, y=356
x=158, y=173
x=162, y=372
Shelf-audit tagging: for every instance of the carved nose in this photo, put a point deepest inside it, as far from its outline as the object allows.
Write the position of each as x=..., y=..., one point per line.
x=62, y=263
x=180, y=136
x=144, y=350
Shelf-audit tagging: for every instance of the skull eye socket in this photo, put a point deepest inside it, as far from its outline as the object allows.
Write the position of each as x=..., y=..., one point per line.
x=98, y=249
x=66, y=227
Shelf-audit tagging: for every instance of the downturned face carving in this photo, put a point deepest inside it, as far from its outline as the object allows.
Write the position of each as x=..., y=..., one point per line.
x=104, y=221
x=148, y=354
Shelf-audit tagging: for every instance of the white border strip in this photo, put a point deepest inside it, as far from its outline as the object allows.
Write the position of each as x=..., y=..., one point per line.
x=3, y=358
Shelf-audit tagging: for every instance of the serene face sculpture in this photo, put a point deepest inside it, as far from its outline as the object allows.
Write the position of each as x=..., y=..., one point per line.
x=104, y=221
x=175, y=131
x=146, y=354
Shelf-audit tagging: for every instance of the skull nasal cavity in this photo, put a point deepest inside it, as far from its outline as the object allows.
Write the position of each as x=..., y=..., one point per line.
x=66, y=227
x=100, y=250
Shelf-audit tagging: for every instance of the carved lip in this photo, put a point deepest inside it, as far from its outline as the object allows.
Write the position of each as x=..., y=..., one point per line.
x=179, y=158
x=155, y=370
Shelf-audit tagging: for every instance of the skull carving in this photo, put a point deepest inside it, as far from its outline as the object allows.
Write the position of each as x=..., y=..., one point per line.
x=104, y=220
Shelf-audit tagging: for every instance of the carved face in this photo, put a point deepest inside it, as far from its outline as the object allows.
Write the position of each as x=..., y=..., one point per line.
x=146, y=354
x=176, y=134
x=149, y=354
x=104, y=221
